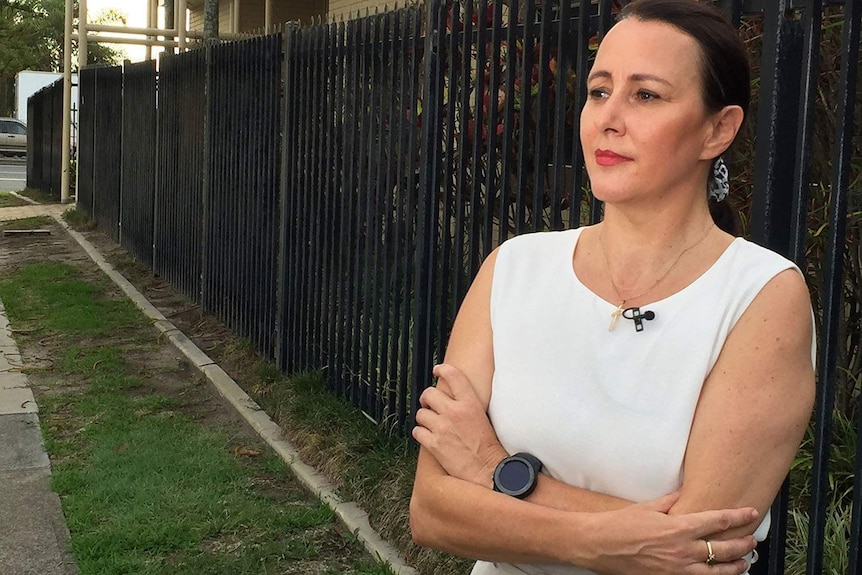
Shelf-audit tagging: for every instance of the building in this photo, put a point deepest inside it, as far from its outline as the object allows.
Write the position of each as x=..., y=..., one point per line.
x=337, y=9
x=238, y=16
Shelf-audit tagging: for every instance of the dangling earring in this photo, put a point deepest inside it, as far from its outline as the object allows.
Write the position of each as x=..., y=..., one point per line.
x=719, y=183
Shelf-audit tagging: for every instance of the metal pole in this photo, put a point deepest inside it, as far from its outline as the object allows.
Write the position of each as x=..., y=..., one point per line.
x=125, y=40
x=182, y=24
x=267, y=17
x=128, y=30
x=67, y=103
x=82, y=34
x=148, y=53
x=236, y=9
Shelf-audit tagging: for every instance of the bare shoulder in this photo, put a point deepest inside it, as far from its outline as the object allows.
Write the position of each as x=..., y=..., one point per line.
x=781, y=308
x=767, y=357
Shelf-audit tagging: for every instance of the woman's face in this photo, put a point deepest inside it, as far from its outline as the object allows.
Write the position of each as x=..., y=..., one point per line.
x=644, y=125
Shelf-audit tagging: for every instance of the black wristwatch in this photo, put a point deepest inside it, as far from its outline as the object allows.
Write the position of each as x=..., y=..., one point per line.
x=517, y=474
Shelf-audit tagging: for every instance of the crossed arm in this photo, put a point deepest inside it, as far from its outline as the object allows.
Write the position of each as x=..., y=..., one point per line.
x=736, y=458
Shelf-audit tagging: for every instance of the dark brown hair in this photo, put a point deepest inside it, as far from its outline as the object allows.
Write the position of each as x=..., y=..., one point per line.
x=725, y=72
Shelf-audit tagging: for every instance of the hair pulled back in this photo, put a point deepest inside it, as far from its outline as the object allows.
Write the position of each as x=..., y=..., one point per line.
x=725, y=73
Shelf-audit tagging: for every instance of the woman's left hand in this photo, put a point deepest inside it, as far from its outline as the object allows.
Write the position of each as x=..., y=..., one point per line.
x=453, y=425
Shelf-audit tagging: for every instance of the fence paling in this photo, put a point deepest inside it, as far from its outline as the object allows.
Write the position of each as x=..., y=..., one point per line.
x=508, y=123
x=334, y=123
x=425, y=214
x=385, y=335
x=321, y=165
x=558, y=183
x=285, y=335
x=580, y=68
x=409, y=115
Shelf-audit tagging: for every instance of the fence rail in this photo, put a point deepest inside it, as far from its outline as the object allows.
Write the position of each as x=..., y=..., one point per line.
x=330, y=192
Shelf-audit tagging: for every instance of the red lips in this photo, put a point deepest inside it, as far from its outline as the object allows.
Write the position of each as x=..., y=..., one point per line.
x=609, y=158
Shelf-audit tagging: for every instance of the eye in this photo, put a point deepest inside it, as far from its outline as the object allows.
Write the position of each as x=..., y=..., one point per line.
x=598, y=93
x=646, y=96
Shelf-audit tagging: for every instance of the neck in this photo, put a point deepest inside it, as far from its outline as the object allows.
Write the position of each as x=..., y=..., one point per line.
x=655, y=227
x=642, y=240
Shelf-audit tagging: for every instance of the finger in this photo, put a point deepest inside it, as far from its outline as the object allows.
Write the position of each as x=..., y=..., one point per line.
x=712, y=522
x=426, y=418
x=733, y=568
x=423, y=437
x=458, y=383
x=733, y=549
x=433, y=398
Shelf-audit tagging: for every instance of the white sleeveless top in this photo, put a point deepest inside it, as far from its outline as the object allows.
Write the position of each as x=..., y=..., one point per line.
x=608, y=411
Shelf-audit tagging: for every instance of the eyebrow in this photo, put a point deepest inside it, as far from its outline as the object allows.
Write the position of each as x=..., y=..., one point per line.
x=635, y=77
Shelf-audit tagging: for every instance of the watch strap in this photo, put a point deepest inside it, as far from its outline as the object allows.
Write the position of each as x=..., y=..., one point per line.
x=532, y=460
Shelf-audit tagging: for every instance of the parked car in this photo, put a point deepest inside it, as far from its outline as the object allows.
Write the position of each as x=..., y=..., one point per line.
x=13, y=137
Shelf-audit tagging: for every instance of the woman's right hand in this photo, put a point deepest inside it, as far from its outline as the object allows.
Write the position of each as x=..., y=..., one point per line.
x=643, y=538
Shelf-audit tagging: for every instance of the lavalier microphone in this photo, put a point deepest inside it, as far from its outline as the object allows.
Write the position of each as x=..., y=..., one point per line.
x=635, y=314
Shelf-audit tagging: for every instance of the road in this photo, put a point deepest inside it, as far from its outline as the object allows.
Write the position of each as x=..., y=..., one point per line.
x=13, y=174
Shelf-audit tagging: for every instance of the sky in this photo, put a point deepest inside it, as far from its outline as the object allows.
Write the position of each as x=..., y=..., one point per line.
x=136, y=16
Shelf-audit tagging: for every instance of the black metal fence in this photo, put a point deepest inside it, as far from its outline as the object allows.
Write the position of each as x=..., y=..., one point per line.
x=333, y=209
x=138, y=178
x=241, y=187
x=179, y=194
x=44, y=139
x=86, y=140
x=349, y=211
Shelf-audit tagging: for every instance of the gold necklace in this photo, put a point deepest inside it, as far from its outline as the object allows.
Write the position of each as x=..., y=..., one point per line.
x=615, y=315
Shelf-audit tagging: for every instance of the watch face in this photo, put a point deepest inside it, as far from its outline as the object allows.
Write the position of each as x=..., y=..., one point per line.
x=514, y=476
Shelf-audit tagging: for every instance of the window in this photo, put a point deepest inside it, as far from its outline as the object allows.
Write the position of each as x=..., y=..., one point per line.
x=8, y=127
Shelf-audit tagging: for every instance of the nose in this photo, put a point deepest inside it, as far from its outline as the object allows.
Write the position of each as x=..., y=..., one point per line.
x=609, y=114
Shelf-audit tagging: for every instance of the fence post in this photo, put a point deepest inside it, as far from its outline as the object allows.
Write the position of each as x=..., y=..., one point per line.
x=771, y=208
x=281, y=290
x=777, y=121
x=832, y=290
x=205, y=176
x=429, y=182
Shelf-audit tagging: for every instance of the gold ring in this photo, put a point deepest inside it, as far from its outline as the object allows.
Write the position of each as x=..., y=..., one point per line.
x=710, y=558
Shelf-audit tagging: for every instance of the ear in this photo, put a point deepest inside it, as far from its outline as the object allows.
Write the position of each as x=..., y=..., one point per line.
x=723, y=126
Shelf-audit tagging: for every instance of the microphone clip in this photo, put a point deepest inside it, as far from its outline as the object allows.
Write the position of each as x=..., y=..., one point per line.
x=634, y=314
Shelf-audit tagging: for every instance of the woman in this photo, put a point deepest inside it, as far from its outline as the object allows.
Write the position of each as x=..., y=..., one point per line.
x=654, y=369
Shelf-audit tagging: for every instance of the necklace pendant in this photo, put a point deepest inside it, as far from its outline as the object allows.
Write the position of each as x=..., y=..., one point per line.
x=615, y=316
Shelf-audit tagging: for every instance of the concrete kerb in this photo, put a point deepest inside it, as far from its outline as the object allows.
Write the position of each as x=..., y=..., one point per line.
x=353, y=517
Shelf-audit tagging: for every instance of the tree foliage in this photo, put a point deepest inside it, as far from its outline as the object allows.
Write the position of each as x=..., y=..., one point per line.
x=31, y=38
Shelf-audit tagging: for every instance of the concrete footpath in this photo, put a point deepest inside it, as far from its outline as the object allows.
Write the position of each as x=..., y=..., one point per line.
x=33, y=533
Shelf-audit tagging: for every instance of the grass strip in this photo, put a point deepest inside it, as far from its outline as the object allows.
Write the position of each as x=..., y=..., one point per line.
x=8, y=200
x=33, y=223
x=40, y=196
x=149, y=484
